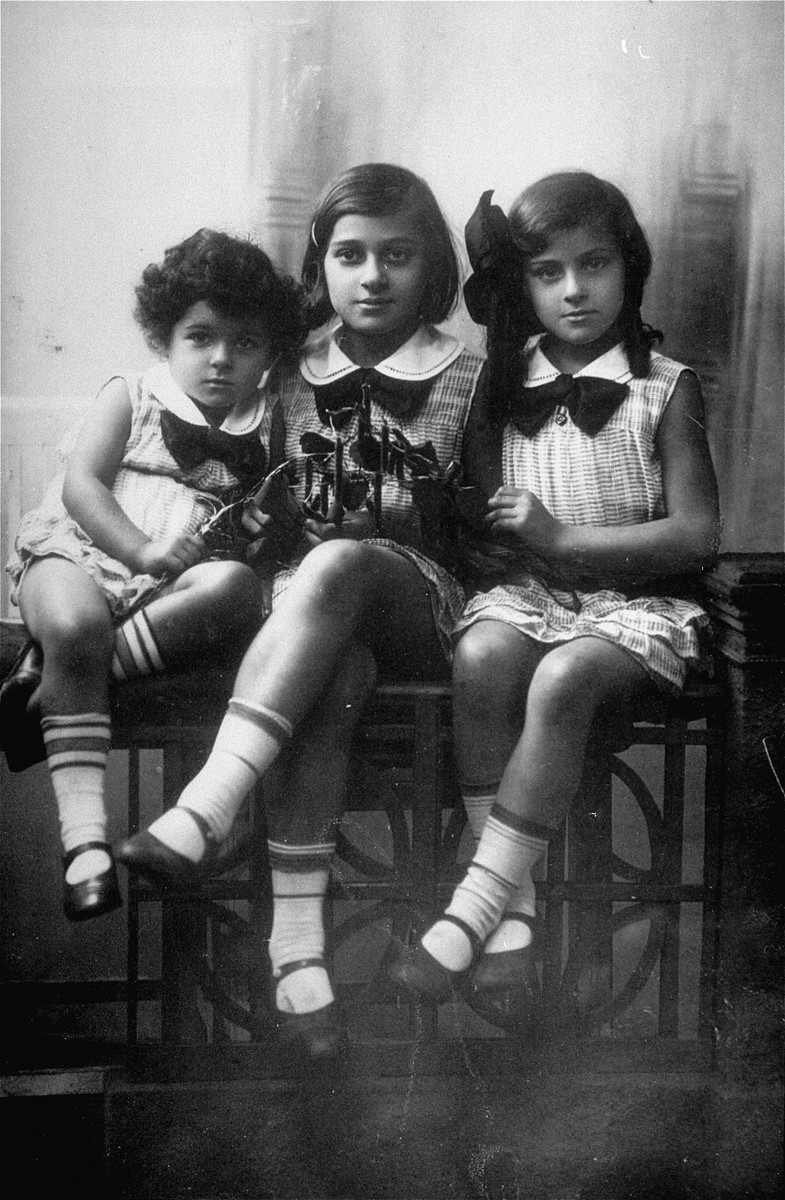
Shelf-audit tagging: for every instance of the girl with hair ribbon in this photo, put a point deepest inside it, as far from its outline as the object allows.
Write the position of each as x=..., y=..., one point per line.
x=602, y=512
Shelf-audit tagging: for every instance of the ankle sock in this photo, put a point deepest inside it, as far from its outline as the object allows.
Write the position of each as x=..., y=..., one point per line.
x=507, y=849
x=136, y=649
x=248, y=742
x=300, y=875
x=77, y=751
x=478, y=800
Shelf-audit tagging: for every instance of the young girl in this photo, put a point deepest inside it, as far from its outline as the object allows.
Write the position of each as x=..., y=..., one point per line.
x=366, y=596
x=110, y=571
x=602, y=495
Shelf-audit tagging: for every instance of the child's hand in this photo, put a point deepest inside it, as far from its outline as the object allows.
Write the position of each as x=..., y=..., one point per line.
x=355, y=525
x=170, y=556
x=520, y=512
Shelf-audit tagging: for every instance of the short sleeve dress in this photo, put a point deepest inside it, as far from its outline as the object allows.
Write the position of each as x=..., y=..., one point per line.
x=161, y=497
x=441, y=376
x=611, y=478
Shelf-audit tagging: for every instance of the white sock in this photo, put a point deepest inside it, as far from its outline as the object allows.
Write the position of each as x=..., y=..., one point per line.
x=300, y=875
x=77, y=751
x=503, y=860
x=478, y=799
x=136, y=649
x=248, y=742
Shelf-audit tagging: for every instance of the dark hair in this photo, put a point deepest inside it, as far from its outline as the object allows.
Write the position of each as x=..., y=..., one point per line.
x=556, y=204
x=381, y=190
x=233, y=275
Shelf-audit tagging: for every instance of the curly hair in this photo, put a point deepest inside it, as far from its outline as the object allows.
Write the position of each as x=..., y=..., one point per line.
x=234, y=276
x=382, y=190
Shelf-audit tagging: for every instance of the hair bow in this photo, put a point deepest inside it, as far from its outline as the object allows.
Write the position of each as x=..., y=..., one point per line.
x=190, y=445
x=495, y=260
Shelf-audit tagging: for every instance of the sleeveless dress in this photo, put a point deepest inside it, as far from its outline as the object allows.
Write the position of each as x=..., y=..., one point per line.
x=613, y=478
x=162, y=498
x=440, y=418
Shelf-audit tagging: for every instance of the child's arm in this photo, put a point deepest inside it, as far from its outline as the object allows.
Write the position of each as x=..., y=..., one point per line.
x=87, y=495
x=683, y=542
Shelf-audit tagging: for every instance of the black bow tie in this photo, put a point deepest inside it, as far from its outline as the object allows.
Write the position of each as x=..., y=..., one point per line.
x=189, y=445
x=590, y=401
x=337, y=401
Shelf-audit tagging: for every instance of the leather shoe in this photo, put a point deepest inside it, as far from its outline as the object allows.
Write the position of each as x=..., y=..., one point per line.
x=316, y=1036
x=146, y=855
x=20, y=729
x=417, y=972
x=94, y=896
x=505, y=988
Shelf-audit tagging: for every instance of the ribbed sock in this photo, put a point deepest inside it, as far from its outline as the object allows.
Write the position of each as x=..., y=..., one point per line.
x=506, y=852
x=478, y=799
x=77, y=751
x=300, y=875
x=248, y=742
x=136, y=649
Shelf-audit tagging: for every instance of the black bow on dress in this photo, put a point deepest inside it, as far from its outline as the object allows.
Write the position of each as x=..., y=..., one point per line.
x=190, y=445
x=590, y=401
x=338, y=400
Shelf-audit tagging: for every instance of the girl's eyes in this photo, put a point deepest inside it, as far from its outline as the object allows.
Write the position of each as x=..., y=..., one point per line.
x=395, y=255
x=552, y=271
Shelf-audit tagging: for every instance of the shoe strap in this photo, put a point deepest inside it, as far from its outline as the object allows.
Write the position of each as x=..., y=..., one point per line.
x=69, y=857
x=210, y=840
x=467, y=929
x=298, y=965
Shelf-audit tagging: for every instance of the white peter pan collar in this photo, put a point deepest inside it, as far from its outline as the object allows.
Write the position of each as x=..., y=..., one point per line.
x=612, y=364
x=427, y=352
x=242, y=418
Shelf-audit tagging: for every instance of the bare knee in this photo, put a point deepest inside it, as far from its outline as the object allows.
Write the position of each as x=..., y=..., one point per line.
x=565, y=688
x=491, y=671
x=78, y=641
x=336, y=576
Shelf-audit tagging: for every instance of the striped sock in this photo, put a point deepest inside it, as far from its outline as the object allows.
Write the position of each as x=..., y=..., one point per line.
x=77, y=751
x=478, y=800
x=247, y=743
x=508, y=848
x=136, y=649
x=300, y=875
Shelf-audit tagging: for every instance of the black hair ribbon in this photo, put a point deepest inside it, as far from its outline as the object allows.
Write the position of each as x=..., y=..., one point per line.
x=495, y=260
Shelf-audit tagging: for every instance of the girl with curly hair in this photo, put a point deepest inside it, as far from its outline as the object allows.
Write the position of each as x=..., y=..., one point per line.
x=111, y=573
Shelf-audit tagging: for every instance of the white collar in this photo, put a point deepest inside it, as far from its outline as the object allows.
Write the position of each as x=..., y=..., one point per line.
x=426, y=353
x=242, y=418
x=612, y=364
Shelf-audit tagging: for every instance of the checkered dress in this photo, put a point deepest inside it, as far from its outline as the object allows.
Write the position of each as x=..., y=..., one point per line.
x=614, y=478
x=161, y=498
x=441, y=420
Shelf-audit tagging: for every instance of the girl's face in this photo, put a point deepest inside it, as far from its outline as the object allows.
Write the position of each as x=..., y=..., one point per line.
x=577, y=288
x=376, y=271
x=218, y=361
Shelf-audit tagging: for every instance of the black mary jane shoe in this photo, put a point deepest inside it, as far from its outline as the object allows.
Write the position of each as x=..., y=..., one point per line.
x=315, y=1036
x=423, y=977
x=147, y=856
x=94, y=896
x=20, y=729
x=504, y=988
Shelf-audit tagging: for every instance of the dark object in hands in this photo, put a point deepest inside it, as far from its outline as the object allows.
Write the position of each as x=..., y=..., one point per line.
x=276, y=500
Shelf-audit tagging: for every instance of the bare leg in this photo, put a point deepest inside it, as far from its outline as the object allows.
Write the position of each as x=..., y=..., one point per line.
x=209, y=611
x=492, y=670
x=68, y=616
x=537, y=787
x=302, y=816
